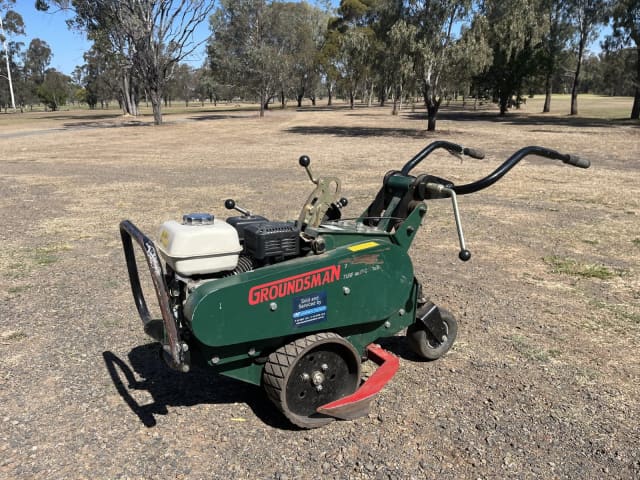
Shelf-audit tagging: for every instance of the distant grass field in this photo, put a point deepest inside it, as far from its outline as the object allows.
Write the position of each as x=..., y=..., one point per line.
x=589, y=106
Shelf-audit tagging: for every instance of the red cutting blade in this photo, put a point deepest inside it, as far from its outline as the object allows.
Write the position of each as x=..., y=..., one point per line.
x=357, y=404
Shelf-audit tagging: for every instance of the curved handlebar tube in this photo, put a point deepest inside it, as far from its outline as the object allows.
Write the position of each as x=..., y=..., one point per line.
x=499, y=172
x=452, y=147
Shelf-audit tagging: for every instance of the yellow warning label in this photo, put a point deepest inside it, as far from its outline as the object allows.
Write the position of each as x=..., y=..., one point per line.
x=363, y=246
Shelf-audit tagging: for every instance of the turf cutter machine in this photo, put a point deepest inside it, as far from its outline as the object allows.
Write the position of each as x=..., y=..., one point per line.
x=297, y=306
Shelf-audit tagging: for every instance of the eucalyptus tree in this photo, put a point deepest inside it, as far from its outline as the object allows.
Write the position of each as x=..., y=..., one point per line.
x=101, y=78
x=356, y=46
x=306, y=27
x=435, y=21
x=151, y=37
x=354, y=60
x=327, y=60
x=513, y=32
x=54, y=89
x=11, y=23
x=587, y=16
x=556, y=34
x=626, y=32
x=36, y=62
x=9, y=64
x=244, y=51
x=402, y=45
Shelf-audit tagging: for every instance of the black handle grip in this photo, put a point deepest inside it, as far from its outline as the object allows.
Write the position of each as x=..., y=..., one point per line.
x=229, y=204
x=304, y=161
x=576, y=161
x=474, y=153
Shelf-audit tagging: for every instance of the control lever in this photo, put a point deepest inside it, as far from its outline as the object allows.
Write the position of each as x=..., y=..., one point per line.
x=230, y=204
x=320, y=201
x=304, y=162
x=441, y=190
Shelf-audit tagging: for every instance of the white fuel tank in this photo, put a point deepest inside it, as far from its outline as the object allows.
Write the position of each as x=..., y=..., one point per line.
x=199, y=245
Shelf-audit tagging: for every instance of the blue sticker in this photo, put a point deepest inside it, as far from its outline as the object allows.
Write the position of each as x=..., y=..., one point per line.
x=309, y=309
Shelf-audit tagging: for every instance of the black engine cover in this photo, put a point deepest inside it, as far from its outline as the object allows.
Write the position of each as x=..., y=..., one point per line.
x=272, y=240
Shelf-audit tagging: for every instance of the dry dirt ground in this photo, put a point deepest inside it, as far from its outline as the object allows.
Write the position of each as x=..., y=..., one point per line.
x=543, y=382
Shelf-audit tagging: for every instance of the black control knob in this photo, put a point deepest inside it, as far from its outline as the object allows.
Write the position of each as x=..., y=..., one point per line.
x=229, y=204
x=343, y=202
x=464, y=255
x=304, y=161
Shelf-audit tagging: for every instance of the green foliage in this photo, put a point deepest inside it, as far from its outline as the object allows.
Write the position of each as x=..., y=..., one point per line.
x=265, y=48
x=513, y=32
x=54, y=90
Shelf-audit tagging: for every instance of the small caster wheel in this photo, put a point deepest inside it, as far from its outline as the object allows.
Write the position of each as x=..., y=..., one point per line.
x=422, y=342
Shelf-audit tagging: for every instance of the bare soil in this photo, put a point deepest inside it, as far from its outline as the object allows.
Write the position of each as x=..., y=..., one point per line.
x=543, y=382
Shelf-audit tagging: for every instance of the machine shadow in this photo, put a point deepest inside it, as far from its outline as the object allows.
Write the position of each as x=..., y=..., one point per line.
x=169, y=388
x=399, y=347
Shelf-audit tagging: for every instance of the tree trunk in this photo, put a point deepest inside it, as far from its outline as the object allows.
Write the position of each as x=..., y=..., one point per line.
x=547, y=94
x=127, y=104
x=283, y=102
x=329, y=95
x=432, y=113
x=432, y=103
x=313, y=101
x=576, y=78
x=383, y=95
x=156, y=105
x=262, y=102
x=351, y=100
x=504, y=105
x=635, y=110
x=299, y=99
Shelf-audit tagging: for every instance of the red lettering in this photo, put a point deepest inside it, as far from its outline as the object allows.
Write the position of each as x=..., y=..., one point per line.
x=297, y=283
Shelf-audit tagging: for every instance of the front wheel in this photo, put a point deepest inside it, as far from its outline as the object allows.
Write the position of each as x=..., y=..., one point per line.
x=423, y=343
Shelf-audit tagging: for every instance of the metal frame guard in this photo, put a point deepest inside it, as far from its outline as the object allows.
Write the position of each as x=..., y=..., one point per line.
x=174, y=348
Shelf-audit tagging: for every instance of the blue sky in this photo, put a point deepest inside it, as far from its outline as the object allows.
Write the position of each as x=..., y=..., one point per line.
x=69, y=46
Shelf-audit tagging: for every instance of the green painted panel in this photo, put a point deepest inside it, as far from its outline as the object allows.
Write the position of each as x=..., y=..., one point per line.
x=339, y=288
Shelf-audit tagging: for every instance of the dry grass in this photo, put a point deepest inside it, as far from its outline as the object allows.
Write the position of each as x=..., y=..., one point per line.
x=67, y=179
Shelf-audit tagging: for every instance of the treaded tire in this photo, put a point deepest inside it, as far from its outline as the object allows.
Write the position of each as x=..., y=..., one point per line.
x=298, y=399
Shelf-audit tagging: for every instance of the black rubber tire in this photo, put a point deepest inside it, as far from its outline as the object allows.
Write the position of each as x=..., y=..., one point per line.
x=422, y=342
x=280, y=377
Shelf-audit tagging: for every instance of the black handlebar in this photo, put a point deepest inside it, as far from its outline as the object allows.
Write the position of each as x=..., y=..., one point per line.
x=499, y=172
x=451, y=147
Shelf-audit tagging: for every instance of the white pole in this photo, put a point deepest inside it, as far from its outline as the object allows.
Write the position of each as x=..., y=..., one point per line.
x=6, y=54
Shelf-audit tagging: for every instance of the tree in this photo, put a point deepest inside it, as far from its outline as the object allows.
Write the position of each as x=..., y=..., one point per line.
x=402, y=43
x=182, y=85
x=513, y=32
x=152, y=36
x=248, y=50
x=587, y=16
x=54, y=90
x=626, y=31
x=100, y=76
x=555, y=38
x=355, y=60
x=12, y=23
x=36, y=62
x=435, y=21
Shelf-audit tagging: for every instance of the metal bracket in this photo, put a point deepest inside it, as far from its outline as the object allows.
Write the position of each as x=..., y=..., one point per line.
x=430, y=317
